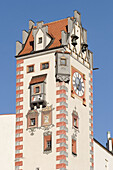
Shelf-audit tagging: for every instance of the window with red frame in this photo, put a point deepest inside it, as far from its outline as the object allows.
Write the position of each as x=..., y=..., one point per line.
x=48, y=143
x=32, y=119
x=37, y=89
x=44, y=66
x=30, y=68
x=75, y=121
x=74, y=150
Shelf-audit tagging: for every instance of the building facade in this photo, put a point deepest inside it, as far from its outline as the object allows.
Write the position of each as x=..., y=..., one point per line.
x=103, y=156
x=54, y=97
x=54, y=101
x=7, y=141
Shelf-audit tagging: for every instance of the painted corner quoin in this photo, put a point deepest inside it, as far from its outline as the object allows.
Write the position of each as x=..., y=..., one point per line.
x=61, y=125
x=19, y=115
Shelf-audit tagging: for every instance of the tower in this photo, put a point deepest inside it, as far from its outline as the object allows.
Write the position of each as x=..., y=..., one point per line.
x=54, y=97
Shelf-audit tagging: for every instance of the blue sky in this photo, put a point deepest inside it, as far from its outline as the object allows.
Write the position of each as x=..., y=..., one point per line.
x=96, y=18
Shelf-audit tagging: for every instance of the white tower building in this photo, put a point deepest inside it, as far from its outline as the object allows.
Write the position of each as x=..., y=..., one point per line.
x=54, y=97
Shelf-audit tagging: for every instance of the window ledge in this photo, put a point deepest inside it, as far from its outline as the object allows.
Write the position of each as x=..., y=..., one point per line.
x=74, y=154
x=47, y=127
x=75, y=128
x=47, y=151
x=32, y=130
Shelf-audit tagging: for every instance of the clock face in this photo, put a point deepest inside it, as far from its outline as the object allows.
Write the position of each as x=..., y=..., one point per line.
x=78, y=84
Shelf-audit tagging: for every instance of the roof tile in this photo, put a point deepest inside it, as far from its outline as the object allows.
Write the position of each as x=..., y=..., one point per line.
x=37, y=79
x=54, y=29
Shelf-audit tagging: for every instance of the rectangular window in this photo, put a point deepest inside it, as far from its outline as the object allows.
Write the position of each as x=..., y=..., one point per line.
x=30, y=68
x=33, y=122
x=37, y=89
x=32, y=119
x=74, y=147
x=75, y=121
x=40, y=40
x=47, y=143
x=63, y=61
x=44, y=66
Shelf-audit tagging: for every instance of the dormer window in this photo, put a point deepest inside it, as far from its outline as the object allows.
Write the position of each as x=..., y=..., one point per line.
x=40, y=40
x=63, y=61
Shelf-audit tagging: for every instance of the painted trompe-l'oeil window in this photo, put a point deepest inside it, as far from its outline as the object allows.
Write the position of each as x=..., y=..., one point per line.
x=46, y=116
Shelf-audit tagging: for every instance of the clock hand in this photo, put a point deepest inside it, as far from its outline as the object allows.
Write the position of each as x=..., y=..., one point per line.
x=78, y=85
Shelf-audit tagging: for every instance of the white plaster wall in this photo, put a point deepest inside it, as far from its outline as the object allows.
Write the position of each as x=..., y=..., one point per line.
x=101, y=158
x=7, y=142
x=82, y=160
x=33, y=145
x=48, y=39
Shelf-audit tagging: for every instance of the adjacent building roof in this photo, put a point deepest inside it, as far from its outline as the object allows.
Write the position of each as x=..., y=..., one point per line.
x=4, y=114
x=102, y=146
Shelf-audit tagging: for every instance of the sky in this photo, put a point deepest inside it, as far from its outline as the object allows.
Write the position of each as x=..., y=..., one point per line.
x=97, y=18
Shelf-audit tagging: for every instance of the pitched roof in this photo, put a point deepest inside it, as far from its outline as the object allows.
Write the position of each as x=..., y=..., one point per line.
x=54, y=30
x=37, y=79
x=28, y=45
